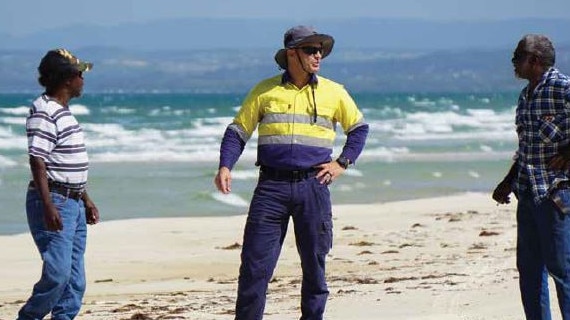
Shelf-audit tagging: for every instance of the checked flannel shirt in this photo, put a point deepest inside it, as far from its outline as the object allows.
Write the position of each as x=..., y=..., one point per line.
x=543, y=127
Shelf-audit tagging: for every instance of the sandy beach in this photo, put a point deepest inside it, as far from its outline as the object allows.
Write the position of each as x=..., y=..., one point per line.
x=440, y=258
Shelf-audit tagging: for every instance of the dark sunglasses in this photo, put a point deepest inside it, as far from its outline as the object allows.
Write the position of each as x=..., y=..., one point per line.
x=311, y=50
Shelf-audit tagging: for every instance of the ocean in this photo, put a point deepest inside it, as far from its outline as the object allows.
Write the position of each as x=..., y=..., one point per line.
x=156, y=154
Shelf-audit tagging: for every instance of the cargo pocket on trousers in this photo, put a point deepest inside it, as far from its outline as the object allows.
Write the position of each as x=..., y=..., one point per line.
x=325, y=237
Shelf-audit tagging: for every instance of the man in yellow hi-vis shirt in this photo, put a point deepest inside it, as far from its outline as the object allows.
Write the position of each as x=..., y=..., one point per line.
x=296, y=114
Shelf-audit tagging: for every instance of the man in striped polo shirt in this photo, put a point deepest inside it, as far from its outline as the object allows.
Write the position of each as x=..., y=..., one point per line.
x=296, y=114
x=57, y=204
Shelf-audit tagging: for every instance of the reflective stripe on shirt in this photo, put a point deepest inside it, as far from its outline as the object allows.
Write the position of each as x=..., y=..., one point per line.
x=283, y=115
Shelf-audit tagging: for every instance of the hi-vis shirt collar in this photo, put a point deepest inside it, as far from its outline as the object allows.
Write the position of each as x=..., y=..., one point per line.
x=287, y=78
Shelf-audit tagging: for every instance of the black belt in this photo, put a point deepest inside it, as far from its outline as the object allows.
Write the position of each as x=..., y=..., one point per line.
x=72, y=193
x=286, y=175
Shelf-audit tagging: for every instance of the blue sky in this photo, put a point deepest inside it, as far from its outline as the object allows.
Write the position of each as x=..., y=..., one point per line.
x=19, y=17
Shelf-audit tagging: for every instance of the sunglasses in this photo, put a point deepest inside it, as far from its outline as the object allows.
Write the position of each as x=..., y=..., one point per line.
x=311, y=50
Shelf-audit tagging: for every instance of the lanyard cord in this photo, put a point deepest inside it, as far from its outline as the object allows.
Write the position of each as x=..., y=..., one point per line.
x=314, y=103
x=311, y=75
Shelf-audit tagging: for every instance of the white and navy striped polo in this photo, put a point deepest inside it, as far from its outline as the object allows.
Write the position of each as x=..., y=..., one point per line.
x=55, y=136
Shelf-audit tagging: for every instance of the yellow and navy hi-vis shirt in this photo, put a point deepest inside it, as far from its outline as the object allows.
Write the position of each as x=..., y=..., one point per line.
x=289, y=135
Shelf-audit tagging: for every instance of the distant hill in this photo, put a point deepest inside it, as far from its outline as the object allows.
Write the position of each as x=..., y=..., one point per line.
x=236, y=70
x=230, y=55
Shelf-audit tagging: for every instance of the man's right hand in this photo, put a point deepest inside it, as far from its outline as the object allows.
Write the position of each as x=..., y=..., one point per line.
x=502, y=192
x=223, y=180
x=52, y=218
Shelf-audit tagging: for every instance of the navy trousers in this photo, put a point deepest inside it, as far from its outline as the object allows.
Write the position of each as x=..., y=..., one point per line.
x=308, y=203
x=543, y=248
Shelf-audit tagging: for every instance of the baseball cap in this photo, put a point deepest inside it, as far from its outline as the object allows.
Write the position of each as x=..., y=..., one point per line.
x=61, y=61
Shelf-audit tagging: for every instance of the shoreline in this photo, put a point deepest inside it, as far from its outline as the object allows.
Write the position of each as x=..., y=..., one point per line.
x=183, y=190
x=449, y=257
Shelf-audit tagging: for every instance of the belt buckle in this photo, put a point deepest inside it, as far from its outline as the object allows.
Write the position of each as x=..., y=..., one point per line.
x=76, y=195
x=297, y=175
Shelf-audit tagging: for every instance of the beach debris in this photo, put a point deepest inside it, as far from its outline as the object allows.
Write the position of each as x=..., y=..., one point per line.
x=450, y=216
x=140, y=316
x=349, y=228
x=444, y=275
x=233, y=246
x=342, y=291
x=403, y=245
x=391, y=290
x=354, y=279
x=362, y=244
x=103, y=280
x=399, y=279
x=126, y=308
x=222, y=281
x=454, y=219
x=486, y=233
x=227, y=311
x=478, y=246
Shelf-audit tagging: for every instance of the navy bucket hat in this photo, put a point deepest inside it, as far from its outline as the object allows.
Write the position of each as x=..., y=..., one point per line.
x=298, y=35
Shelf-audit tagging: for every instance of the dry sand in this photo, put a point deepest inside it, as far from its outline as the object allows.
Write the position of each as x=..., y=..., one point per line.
x=441, y=258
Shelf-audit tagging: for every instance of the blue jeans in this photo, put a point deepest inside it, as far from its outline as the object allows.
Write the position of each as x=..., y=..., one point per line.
x=273, y=202
x=62, y=284
x=543, y=248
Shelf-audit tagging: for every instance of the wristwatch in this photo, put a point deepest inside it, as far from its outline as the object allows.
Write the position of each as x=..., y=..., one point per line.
x=343, y=162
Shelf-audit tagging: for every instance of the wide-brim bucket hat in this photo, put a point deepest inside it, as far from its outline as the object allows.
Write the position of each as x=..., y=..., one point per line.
x=298, y=35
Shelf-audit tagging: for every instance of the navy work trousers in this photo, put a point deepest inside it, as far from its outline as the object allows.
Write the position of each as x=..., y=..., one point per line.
x=308, y=203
